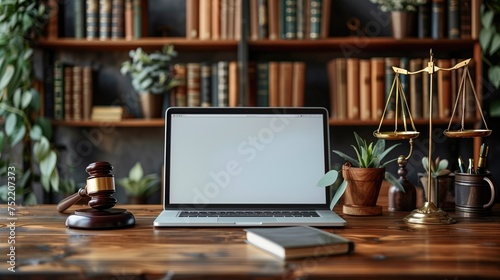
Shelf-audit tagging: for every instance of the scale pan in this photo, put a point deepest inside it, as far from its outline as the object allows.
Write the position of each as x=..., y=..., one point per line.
x=467, y=133
x=394, y=135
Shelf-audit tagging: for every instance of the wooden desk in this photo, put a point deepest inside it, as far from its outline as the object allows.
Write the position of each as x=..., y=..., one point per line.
x=386, y=248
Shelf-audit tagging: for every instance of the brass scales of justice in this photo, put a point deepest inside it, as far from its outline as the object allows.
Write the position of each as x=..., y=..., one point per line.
x=429, y=213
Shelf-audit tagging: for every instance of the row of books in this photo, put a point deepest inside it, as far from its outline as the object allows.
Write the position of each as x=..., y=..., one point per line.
x=289, y=19
x=72, y=91
x=453, y=19
x=361, y=89
x=102, y=19
x=213, y=19
x=216, y=84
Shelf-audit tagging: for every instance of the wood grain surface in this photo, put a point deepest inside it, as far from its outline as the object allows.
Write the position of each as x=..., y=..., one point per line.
x=386, y=248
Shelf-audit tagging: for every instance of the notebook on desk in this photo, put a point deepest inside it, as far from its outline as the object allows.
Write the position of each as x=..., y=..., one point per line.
x=246, y=167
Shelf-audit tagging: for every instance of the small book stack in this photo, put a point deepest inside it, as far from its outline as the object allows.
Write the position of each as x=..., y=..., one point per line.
x=107, y=113
x=298, y=242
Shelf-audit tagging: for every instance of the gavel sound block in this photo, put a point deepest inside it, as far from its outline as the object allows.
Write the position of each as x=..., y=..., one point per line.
x=100, y=188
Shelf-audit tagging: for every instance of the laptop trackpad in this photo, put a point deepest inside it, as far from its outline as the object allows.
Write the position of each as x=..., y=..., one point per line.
x=247, y=220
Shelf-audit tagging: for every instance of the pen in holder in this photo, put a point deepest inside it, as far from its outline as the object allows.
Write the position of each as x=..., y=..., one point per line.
x=100, y=188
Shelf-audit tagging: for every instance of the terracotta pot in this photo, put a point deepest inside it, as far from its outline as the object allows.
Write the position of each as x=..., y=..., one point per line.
x=151, y=105
x=402, y=24
x=363, y=185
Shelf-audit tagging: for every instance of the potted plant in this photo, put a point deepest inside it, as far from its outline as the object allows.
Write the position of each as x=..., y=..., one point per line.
x=362, y=176
x=26, y=156
x=151, y=77
x=139, y=187
x=443, y=194
x=402, y=12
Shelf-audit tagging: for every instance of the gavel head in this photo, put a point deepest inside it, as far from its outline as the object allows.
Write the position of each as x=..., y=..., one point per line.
x=100, y=185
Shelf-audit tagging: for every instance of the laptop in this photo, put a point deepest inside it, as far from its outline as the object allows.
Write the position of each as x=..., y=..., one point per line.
x=246, y=167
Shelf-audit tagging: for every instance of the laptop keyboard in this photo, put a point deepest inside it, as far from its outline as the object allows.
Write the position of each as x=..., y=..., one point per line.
x=248, y=214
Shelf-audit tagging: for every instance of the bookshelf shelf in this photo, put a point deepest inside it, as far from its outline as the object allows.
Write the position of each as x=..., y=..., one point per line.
x=374, y=123
x=368, y=44
x=122, y=123
x=181, y=44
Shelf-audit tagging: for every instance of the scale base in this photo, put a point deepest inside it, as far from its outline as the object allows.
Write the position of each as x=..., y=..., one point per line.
x=429, y=214
x=356, y=210
x=100, y=219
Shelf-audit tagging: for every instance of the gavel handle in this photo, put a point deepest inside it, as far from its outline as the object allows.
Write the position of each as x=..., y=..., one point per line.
x=70, y=200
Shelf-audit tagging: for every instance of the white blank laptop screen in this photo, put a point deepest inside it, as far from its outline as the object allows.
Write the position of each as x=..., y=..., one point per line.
x=246, y=159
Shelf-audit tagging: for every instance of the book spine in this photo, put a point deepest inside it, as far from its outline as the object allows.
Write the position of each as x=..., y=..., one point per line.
x=215, y=85
x=341, y=88
x=92, y=23
x=388, y=83
x=68, y=92
x=364, y=89
x=137, y=19
x=301, y=17
x=416, y=98
x=285, y=83
x=104, y=19
x=53, y=20
x=290, y=23
x=231, y=5
x=444, y=89
x=298, y=84
x=453, y=19
x=180, y=91
x=315, y=19
x=77, y=100
x=262, y=84
x=273, y=19
x=353, y=88
x=438, y=19
x=262, y=18
x=466, y=20
x=87, y=91
x=58, y=90
x=475, y=18
x=215, y=16
x=325, y=18
x=79, y=25
x=205, y=85
x=237, y=20
x=424, y=20
x=233, y=84
x=378, y=86
x=117, y=19
x=129, y=20
x=205, y=20
x=193, y=84
x=223, y=83
x=274, y=84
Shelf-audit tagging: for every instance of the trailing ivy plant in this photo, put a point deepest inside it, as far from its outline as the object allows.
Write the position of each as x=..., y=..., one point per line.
x=489, y=39
x=24, y=138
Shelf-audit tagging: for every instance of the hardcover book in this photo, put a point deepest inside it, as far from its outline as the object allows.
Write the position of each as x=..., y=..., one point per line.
x=298, y=242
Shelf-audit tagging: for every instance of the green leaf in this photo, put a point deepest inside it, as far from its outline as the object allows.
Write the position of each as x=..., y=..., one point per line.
x=136, y=172
x=47, y=164
x=338, y=194
x=485, y=38
x=347, y=158
x=44, y=123
x=26, y=99
x=54, y=180
x=18, y=135
x=6, y=77
x=10, y=124
x=17, y=98
x=443, y=164
x=494, y=76
x=36, y=132
x=495, y=44
x=41, y=149
x=487, y=18
x=328, y=179
x=394, y=181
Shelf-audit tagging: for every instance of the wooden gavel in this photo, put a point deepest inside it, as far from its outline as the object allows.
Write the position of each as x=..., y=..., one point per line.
x=100, y=188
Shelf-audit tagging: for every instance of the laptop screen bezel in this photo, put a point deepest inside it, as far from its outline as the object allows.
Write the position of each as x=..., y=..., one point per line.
x=241, y=110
